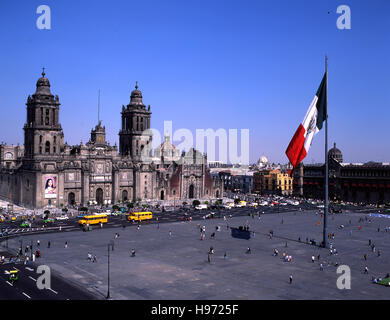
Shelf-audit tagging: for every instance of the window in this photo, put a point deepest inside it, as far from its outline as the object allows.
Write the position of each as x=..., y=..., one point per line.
x=40, y=139
x=47, y=147
x=47, y=121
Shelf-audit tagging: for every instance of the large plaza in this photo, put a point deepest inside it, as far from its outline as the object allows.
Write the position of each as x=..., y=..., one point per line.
x=176, y=266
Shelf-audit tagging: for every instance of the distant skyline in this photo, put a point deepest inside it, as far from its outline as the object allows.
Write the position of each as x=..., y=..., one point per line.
x=205, y=64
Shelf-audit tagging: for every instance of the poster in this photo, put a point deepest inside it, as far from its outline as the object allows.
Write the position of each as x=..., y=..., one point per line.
x=50, y=187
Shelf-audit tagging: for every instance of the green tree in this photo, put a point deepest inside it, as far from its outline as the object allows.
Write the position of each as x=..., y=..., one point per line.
x=195, y=203
x=130, y=205
x=237, y=200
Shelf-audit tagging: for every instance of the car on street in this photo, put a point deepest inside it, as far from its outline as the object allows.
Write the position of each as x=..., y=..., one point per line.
x=62, y=218
x=25, y=224
x=201, y=207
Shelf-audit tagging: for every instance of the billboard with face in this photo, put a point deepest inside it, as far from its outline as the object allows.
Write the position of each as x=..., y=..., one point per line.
x=50, y=187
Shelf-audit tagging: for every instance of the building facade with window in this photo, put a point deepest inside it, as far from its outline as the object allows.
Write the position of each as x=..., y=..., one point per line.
x=48, y=172
x=353, y=182
x=272, y=182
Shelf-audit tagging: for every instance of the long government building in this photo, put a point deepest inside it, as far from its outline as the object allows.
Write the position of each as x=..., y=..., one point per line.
x=46, y=172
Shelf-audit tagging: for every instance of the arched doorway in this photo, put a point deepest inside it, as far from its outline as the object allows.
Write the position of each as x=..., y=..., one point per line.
x=162, y=195
x=99, y=196
x=124, y=195
x=191, y=192
x=71, y=199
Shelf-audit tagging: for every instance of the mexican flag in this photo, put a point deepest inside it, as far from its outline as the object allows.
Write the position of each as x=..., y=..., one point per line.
x=311, y=124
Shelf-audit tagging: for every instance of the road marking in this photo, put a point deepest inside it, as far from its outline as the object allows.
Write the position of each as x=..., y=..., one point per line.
x=32, y=278
x=26, y=295
x=29, y=269
x=52, y=290
x=10, y=284
x=16, y=269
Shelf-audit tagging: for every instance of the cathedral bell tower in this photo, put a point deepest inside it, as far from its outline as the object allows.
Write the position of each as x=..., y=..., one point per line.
x=43, y=133
x=135, y=120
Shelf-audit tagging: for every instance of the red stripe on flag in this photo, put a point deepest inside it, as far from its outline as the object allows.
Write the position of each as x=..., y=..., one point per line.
x=295, y=150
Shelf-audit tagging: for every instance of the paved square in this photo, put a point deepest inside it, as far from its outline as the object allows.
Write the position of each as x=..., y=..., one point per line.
x=176, y=266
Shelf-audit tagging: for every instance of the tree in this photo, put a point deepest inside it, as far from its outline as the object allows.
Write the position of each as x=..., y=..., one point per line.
x=206, y=202
x=236, y=201
x=184, y=203
x=195, y=203
x=84, y=209
x=115, y=207
x=130, y=205
x=65, y=209
x=46, y=212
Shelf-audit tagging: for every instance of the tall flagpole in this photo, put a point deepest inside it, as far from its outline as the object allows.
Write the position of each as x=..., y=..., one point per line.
x=325, y=235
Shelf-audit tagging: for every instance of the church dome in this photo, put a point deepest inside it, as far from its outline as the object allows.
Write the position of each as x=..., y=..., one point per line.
x=262, y=162
x=335, y=154
x=43, y=85
x=136, y=96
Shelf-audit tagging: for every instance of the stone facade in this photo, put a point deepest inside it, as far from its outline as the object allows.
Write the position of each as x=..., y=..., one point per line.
x=354, y=182
x=46, y=172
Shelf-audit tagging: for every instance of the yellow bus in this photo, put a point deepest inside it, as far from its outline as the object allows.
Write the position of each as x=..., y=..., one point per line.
x=95, y=219
x=139, y=216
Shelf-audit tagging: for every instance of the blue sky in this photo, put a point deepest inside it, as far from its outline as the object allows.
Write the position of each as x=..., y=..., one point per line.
x=204, y=64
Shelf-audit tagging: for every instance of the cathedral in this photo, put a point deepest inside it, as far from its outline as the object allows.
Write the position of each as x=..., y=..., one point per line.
x=46, y=172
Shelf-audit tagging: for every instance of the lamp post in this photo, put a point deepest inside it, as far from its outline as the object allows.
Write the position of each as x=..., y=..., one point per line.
x=108, y=270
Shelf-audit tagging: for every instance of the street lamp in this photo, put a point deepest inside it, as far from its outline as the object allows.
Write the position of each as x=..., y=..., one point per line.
x=108, y=269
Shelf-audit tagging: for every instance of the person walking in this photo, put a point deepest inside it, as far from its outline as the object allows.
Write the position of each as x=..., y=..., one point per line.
x=132, y=252
x=312, y=259
x=224, y=255
x=66, y=244
x=38, y=243
x=365, y=270
x=365, y=257
x=48, y=244
x=321, y=267
x=94, y=259
x=290, y=278
x=170, y=233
